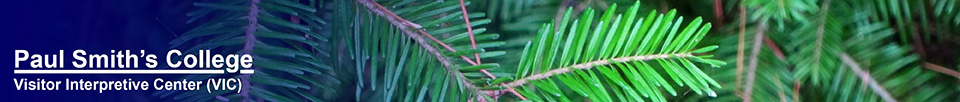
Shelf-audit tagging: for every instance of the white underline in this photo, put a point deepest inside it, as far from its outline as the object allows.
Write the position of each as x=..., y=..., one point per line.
x=203, y=71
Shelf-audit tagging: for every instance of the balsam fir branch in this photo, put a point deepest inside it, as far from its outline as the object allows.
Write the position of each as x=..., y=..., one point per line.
x=405, y=25
x=593, y=64
x=619, y=47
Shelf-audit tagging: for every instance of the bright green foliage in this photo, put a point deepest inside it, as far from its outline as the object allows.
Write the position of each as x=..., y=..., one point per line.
x=290, y=56
x=617, y=35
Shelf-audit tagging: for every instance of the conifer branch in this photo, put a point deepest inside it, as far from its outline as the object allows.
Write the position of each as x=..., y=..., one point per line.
x=941, y=69
x=818, y=47
x=248, y=46
x=404, y=26
x=865, y=76
x=740, y=45
x=591, y=64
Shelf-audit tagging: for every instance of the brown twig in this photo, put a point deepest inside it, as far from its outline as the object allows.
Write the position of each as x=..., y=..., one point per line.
x=740, y=45
x=589, y=65
x=774, y=48
x=865, y=76
x=941, y=69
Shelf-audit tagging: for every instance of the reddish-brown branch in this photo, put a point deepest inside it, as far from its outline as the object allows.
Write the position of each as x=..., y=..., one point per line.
x=773, y=47
x=466, y=19
x=473, y=42
x=718, y=11
x=941, y=69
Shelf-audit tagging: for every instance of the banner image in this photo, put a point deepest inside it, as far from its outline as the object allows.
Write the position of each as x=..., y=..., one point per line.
x=480, y=50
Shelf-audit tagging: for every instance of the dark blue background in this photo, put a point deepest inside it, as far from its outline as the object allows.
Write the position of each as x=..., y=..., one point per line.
x=97, y=26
